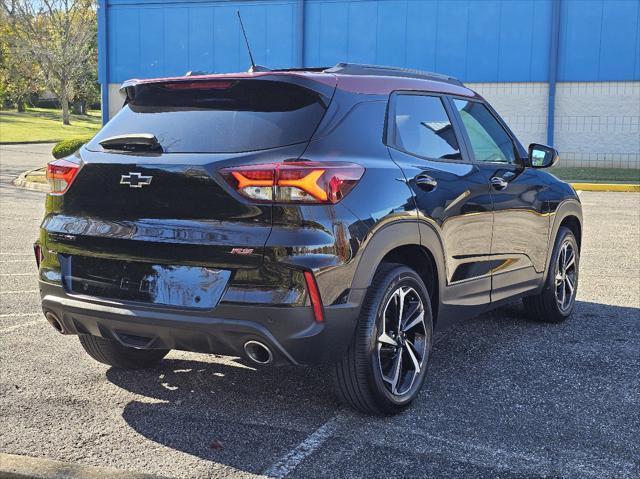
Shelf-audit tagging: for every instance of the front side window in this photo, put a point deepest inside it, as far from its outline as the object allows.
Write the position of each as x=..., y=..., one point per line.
x=421, y=127
x=489, y=141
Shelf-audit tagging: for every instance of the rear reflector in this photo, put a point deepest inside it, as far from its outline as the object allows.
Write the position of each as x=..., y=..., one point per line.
x=314, y=296
x=37, y=250
x=60, y=175
x=295, y=181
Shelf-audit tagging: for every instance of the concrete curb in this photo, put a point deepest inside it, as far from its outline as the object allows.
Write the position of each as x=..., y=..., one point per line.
x=13, y=466
x=35, y=142
x=22, y=182
x=606, y=187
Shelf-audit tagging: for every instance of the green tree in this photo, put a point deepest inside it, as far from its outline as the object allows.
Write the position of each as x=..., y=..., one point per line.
x=20, y=76
x=86, y=87
x=57, y=35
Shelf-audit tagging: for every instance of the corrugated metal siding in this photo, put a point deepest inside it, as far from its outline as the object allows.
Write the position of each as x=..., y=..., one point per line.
x=599, y=40
x=149, y=39
x=475, y=40
x=472, y=40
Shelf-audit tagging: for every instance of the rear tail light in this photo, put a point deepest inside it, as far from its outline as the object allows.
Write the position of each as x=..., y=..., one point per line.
x=314, y=296
x=295, y=181
x=60, y=175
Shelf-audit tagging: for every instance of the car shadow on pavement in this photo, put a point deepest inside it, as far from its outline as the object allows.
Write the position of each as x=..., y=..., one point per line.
x=225, y=411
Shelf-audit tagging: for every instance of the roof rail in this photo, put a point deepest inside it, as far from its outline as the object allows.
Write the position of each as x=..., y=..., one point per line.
x=362, y=69
x=302, y=69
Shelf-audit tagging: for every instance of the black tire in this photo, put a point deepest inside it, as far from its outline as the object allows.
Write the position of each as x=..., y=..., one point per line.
x=546, y=306
x=360, y=377
x=114, y=354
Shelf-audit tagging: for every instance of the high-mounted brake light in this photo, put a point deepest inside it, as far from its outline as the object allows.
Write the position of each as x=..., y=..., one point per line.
x=60, y=175
x=295, y=181
x=199, y=85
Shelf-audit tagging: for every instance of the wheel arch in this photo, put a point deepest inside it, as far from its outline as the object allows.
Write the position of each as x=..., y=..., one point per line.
x=574, y=224
x=407, y=243
x=568, y=214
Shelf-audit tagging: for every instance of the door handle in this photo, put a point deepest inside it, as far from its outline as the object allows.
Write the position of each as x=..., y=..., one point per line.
x=425, y=182
x=499, y=183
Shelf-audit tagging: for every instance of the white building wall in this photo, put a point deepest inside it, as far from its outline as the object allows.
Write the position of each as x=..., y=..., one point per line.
x=116, y=99
x=596, y=123
x=523, y=106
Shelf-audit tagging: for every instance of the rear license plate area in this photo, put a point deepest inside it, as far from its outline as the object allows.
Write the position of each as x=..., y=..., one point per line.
x=161, y=284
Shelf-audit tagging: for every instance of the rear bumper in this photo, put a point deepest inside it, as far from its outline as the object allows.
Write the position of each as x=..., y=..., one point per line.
x=291, y=332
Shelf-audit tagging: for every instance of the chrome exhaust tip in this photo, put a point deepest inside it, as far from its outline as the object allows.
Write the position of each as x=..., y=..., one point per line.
x=55, y=322
x=258, y=352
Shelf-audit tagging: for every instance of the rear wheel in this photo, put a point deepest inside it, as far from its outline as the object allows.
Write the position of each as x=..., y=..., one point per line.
x=114, y=354
x=558, y=297
x=386, y=363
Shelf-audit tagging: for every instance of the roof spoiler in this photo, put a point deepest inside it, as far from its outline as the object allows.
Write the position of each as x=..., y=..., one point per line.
x=316, y=81
x=132, y=142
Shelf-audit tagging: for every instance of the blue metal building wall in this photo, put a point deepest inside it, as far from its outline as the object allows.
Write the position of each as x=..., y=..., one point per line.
x=475, y=40
x=472, y=40
x=600, y=40
x=151, y=39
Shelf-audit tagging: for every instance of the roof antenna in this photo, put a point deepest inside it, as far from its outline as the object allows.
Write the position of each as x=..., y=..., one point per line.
x=254, y=68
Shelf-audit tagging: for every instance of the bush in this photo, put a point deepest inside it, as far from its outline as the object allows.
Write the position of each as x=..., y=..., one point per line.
x=67, y=147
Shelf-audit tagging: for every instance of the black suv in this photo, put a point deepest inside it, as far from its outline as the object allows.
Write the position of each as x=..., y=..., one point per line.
x=303, y=217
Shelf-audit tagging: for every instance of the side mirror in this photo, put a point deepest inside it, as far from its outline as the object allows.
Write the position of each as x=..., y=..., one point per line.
x=542, y=156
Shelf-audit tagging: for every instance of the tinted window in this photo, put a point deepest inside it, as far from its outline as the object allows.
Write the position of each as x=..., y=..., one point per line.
x=489, y=140
x=218, y=116
x=422, y=127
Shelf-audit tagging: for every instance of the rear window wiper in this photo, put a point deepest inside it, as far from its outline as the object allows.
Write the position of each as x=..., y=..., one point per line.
x=132, y=142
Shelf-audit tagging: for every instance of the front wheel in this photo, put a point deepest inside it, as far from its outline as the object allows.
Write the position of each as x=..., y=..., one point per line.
x=386, y=363
x=114, y=354
x=558, y=296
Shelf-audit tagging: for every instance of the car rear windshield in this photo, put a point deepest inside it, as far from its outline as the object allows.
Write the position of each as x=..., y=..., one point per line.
x=219, y=116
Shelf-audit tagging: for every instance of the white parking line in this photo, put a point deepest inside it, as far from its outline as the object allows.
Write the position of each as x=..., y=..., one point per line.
x=20, y=291
x=16, y=254
x=16, y=260
x=18, y=326
x=293, y=458
x=18, y=274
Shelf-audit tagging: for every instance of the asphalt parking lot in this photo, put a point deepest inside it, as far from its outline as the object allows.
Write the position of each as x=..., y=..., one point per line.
x=505, y=398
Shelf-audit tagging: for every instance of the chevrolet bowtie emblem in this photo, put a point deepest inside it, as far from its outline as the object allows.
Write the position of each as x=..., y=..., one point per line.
x=135, y=180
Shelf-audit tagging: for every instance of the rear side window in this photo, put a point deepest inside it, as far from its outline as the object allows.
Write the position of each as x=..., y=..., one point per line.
x=489, y=141
x=422, y=127
x=219, y=116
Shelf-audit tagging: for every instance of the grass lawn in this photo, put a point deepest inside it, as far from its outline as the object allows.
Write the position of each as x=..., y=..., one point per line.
x=597, y=175
x=40, y=124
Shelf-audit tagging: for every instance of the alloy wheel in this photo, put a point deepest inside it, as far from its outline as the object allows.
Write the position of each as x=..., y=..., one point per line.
x=402, y=343
x=566, y=276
